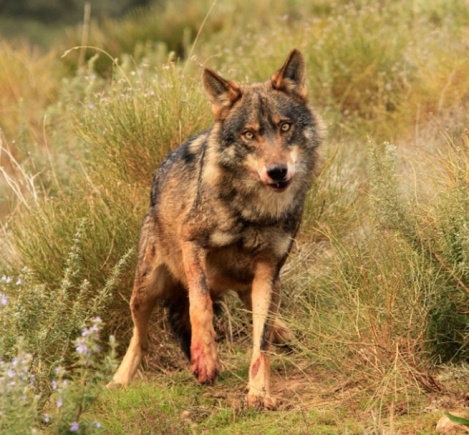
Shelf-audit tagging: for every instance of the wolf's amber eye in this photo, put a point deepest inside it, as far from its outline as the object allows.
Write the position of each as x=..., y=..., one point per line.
x=248, y=135
x=285, y=126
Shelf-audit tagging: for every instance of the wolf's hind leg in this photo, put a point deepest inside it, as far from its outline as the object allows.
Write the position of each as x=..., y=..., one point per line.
x=149, y=285
x=178, y=316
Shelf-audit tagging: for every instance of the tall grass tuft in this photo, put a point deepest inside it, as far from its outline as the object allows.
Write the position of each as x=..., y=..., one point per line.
x=144, y=114
x=437, y=233
x=383, y=303
x=447, y=236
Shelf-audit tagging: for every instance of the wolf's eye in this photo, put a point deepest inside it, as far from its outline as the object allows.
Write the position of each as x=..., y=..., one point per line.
x=248, y=135
x=285, y=126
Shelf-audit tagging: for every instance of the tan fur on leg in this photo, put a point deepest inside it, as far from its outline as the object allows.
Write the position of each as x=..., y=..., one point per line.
x=264, y=303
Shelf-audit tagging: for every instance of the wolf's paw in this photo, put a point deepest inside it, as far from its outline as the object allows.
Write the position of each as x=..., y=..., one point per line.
x=204, y=363
x=264, y=401
x=281, y=335
x=113, y=385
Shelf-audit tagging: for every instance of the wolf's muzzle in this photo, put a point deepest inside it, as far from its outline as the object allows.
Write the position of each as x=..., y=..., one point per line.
x=278, y=177
x=277, y=172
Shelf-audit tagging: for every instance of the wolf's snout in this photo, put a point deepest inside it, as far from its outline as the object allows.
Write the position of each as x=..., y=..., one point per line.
x=277, y=172
x=277, y=177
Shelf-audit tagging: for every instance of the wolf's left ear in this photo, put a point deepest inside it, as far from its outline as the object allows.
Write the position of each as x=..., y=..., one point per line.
x=292, y=76
x=221, y=93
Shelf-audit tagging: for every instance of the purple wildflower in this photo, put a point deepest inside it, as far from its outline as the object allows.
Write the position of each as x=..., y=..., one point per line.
x=3, y=300
x=82, y=348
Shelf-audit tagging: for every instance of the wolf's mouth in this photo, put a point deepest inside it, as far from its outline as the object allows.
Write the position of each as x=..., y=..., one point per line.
x=279, y=186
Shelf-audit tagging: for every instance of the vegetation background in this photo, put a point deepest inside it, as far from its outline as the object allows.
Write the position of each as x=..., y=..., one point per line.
x=376, y=292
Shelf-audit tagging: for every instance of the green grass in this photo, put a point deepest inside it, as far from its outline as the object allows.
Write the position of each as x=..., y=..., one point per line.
x=175, y=404
x=177, y=407
x=376, y=288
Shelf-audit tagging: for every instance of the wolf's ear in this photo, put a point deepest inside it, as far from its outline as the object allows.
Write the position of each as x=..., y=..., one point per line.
x=221, y=93
x=291, y=77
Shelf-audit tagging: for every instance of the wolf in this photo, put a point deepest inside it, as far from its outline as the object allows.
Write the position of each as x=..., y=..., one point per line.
x=224, y=210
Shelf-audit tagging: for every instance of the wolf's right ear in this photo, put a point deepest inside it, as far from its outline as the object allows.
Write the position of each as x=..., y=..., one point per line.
x=221, y=93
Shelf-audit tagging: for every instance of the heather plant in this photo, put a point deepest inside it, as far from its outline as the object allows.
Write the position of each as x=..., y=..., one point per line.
x=19, y=401
x=52, y=314
x=40, y=343
x=73, y=393
x=58, y=404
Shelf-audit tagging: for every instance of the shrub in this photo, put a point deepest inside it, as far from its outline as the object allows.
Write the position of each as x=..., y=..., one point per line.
x=58, y=403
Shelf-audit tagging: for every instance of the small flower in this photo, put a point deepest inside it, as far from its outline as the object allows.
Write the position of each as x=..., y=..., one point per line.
x=3, y=300
x=97, y=424
x=82, y=348
x=54, y=385
x=46, y=418
x=74, y=427
x=6, y=279
x=19, y=281
x=97, y=321
x=94, y=329
x=60, y=402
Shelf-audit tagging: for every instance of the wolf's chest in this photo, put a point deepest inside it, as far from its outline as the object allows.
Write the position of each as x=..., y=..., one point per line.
x=232, y=265
x=251, y=241
x=246, y=239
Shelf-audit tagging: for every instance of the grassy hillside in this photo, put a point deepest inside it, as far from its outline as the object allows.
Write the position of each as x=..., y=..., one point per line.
x=376, y=291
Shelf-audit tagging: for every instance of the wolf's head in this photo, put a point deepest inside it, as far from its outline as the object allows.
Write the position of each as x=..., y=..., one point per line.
x=266, y=130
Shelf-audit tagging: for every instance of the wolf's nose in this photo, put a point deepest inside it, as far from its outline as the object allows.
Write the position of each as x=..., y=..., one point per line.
x=277, y=172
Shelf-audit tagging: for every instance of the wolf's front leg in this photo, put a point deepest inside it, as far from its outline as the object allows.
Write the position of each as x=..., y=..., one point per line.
x=265, y=299
x=204, y=356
